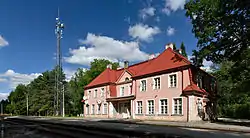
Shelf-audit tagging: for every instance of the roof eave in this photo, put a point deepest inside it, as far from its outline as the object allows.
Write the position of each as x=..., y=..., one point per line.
x=161, y=72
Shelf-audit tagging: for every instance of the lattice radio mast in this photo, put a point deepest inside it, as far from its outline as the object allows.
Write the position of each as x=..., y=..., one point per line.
x=58, y=77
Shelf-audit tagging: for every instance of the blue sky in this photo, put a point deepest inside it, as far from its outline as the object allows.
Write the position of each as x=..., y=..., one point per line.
x=117, y=30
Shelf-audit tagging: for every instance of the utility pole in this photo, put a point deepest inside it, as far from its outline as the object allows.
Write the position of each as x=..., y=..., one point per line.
x=58, y=32
x=27, y=104
x=63, y=112
x=1, y=108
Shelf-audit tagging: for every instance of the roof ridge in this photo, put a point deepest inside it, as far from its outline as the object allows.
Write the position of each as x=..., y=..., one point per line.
x=137, y=64
x=183, y=57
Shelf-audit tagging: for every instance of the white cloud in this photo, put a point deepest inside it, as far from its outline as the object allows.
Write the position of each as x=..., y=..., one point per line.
x=147, y=12
x=157, y=19
x=103, y=47
x=3, y=42
x=3, y=96
x=170, y=31
x=3, y=80
x=173, y=5
x=206, y=64
x=13, y=78
x=143, y=32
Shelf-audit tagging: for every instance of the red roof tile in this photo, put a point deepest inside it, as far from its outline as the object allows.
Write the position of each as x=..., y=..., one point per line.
x=166, y=60
x=193, y=87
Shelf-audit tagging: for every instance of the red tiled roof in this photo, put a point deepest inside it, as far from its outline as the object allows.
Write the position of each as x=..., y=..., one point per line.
x=107, y=76
x=193, y=87
x=111, y=76
x=166, y=60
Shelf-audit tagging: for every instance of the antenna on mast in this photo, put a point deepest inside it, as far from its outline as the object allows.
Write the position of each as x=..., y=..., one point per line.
x=58, y=69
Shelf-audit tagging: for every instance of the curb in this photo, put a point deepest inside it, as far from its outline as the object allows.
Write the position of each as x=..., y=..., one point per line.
x=198, y=127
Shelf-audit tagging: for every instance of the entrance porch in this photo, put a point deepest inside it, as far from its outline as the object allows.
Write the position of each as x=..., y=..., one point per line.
x=121, y=107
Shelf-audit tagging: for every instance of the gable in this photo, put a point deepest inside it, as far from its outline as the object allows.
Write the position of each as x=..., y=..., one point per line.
x=123, y=76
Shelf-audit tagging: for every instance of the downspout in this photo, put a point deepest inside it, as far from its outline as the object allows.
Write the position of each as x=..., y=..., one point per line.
x=107, y=102
x=187, y=96
x=132, y=102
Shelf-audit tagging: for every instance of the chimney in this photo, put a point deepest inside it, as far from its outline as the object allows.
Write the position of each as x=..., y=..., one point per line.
x=169, y=45
x=151, y=56
x=109, y=66
x=125, y=64
x=180, y=51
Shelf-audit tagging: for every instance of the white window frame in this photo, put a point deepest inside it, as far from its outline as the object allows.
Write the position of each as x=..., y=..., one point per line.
x=147, y=111
x=138, y=107
x=102, y=92
x=89, y=94
x=95, y=93
x=93, y=109
x=141, y=86
x=121, y=90
x=173, y=105
x=104, y=108
x=98, y=112
x=155, y=82
x=167, y=106
x=169, y=82
x=87, y=110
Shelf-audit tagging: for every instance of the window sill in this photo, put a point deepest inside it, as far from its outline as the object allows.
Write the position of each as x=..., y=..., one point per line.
x=176, y=114
x=172, y=87
x=163, y=114
x=139, y=114
x=150, y=114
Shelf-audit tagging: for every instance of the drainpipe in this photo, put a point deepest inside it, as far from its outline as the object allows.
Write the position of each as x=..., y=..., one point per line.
x=106, y=101
x=182, y=78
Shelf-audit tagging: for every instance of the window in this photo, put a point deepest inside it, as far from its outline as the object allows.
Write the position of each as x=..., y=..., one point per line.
x=105, y=108
x=151, y=106
x=102, y=92
x=99, y=109
x=164, y=106
x=121, y=91
x=93, y=109
x=89, y=94
x=199, y=81
x=177, y=106
x=157, y=83
x=172, y=80
x=139, y=107
x=143, y=85
x=95, y=94
x=87, y=109
x=126, y=79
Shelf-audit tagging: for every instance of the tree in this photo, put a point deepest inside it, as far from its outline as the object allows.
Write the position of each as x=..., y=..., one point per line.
x=174, y=46
x=183, y=49
x=81, y=79
x=222, y=30
x=221, y=26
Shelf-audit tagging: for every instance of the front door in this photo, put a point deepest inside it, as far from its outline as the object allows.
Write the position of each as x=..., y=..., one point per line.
x=124, y=109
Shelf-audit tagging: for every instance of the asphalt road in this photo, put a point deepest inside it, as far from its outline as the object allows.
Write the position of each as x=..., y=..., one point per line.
x=21, y=131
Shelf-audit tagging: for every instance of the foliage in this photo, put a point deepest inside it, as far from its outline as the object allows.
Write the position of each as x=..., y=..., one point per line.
x=41, y=91
x=82, y=78
x=183, y=49
x=174, y=46
x=222, y=30
x=221, y=26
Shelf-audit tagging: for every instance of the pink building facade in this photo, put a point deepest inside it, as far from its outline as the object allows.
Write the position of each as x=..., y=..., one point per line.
x=166, y=87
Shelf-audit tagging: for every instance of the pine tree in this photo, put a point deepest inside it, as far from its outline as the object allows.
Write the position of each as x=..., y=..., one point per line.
x=183, y=50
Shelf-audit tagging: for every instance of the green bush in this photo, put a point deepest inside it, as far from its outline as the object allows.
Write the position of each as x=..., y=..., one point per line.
x=239, y=111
